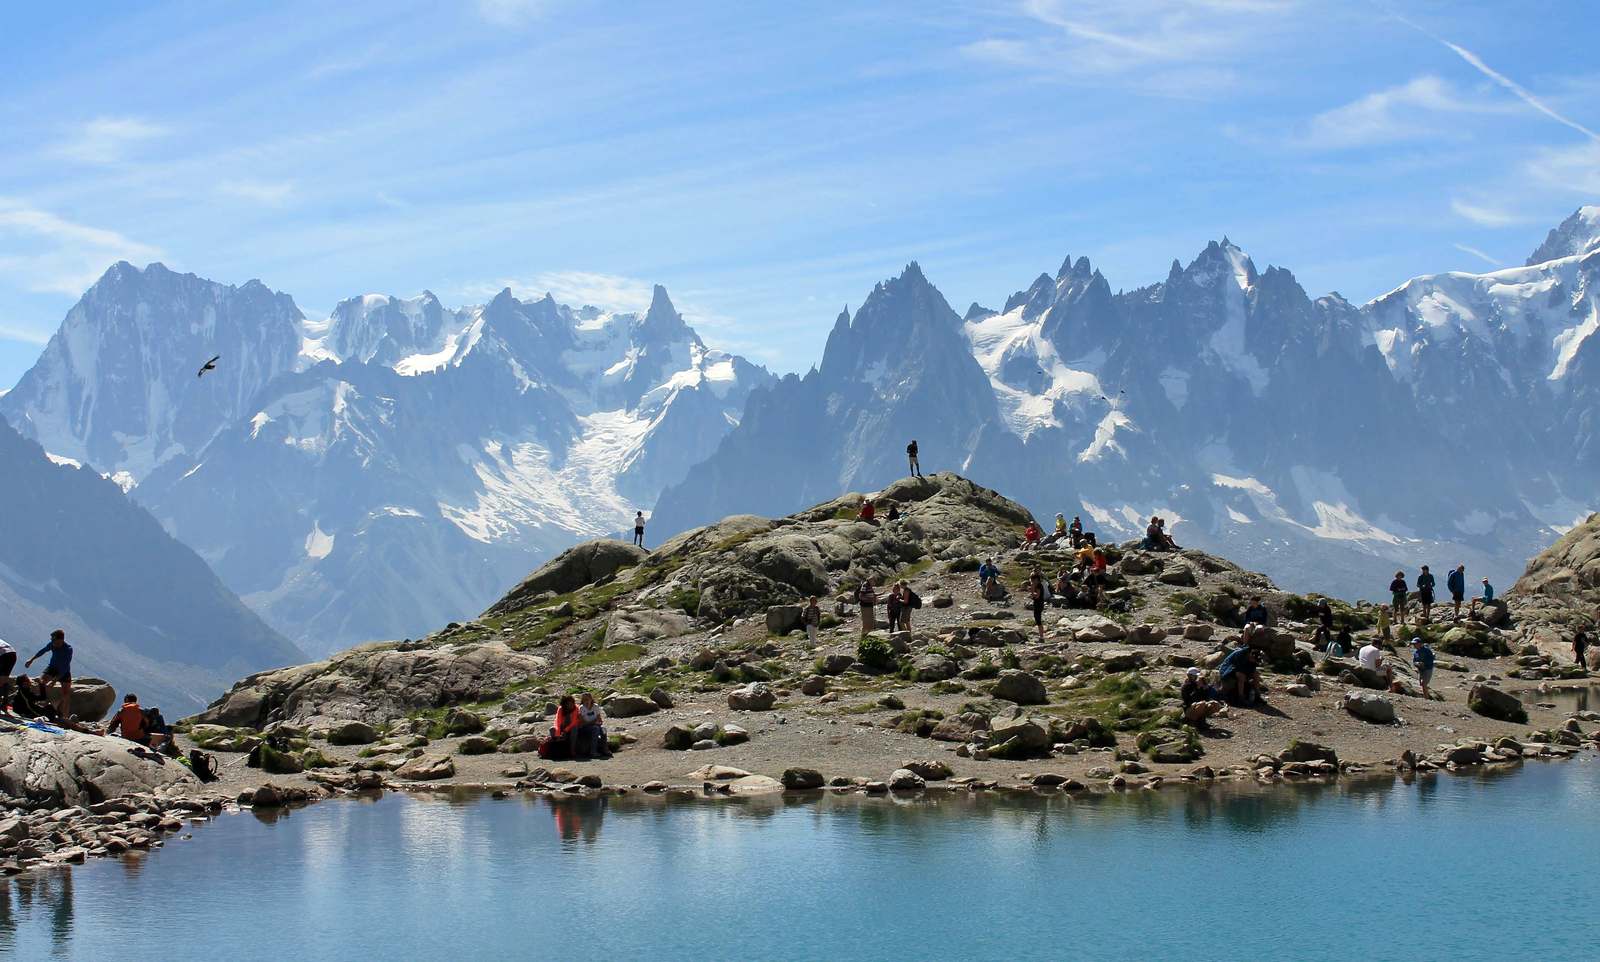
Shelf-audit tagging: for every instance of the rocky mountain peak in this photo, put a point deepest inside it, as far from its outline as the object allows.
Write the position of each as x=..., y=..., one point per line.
x=1578, y=234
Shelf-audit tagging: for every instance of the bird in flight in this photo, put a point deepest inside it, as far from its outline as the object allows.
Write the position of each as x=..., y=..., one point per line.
x=210, y=365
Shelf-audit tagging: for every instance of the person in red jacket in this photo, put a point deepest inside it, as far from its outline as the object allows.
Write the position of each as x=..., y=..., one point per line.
x=565, y=732
x=868, y=512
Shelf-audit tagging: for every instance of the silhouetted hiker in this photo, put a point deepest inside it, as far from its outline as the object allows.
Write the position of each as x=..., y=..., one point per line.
x=867, y=598
x=1166, y=539
x=638, y=528
x=1398, y=592
x=59, y=669
x=1036, y=595
x=911, y=455
x=1456, y=581
x=1152, y=536
x=1580, y=645
x=1075, y=532
x=8, y=662
x=1425, y=593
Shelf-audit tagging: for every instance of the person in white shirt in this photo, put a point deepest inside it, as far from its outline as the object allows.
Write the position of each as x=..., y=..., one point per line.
x=8, y=661
x=1371, y=658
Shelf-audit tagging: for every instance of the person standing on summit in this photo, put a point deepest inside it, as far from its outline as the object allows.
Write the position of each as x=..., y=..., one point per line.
x=1425, y=593
x=911, y=455
x=638, y=528
x=1456, y=582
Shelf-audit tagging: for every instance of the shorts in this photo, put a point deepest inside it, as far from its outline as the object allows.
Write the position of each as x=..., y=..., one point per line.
x=1426, y=597
x=52, y=676
x=1038, y=613
x=1399, y=599
x=1457, y=596
x=1425, y=675
x=8, y=661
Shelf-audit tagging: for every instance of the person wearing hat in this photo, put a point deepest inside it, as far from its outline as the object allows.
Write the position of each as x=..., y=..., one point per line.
x=1422, y=660
x=1200, y=701
x=1488, y=596
x=1240, y=674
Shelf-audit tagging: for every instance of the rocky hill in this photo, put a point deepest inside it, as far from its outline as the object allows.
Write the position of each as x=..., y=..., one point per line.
x=695, y=646
x=1566, y=576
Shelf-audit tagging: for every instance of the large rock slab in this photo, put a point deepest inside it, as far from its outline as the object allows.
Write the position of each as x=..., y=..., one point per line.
x=75, y=769
x=91, y=698
x=570, y=570
x=376, y=684
x=635, y=627
x=1369, y=706
x=1491, y=702
x=1021, y=687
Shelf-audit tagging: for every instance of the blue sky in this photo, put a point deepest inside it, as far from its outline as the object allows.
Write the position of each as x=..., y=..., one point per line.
x=769, y=162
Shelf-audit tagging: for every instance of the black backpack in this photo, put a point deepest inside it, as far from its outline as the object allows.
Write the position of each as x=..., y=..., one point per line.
x=153, y=722
x=204, y=765
x=915, y=601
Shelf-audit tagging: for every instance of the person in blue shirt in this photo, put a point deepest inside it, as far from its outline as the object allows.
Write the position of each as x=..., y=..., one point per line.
x=1422, y=660
x=988, y=578
x=1240, y=676
x=59, y=669
x=1488, y=596
x=1456, y=581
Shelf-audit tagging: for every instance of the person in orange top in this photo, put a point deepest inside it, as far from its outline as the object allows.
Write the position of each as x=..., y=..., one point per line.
x=130, y=720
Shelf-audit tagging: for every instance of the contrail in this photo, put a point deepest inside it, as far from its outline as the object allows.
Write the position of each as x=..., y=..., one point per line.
x=1521, y=92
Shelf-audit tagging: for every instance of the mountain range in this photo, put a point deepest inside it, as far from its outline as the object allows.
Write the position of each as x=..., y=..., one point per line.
x=140, y=609
x=386, y=469
x=1450, y=420
x=399, y=463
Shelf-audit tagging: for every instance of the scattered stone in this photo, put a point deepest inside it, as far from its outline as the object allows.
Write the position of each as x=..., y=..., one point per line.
x=1369, y=706
x=801, y=779
x=928, y=769
x=1491, y=702
x=352, y=733
x=1022, y=687
x=630, y=706
x=756, y=696
x=906, y=780
x=427, y=768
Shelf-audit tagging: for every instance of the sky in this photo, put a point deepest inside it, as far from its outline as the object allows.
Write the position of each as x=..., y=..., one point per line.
x=768, y=163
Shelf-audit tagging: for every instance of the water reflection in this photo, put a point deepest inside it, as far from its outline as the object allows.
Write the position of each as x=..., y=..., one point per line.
x=45, y=896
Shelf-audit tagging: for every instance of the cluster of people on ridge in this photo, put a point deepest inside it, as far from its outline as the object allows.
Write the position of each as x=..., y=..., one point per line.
x=28, y=700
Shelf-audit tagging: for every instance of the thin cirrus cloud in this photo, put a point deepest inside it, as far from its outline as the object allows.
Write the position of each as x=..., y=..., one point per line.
x=1480, y=255
x=107, y=140
x=1485, y=216
x=267, y=193
x=512, y=13
x=45, y=253
x=1394, y=114
x=1161, y=46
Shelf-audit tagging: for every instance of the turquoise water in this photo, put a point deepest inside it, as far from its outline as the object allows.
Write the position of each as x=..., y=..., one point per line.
x=1444, y=868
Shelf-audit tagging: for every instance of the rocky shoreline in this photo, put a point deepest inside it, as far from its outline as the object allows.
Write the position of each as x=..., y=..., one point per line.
x=711, y=690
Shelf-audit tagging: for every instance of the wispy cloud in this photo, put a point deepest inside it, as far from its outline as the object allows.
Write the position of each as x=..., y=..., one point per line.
x=612, y=292
x=347, y=63
x=1486, y=258
x=268, y=193
x=1391, y=115
x=23, y=335
x=106, y=140
x=513, y=13
x=1156, y=45
x=1574, y=169
x=46, y=253
x=1487, y=216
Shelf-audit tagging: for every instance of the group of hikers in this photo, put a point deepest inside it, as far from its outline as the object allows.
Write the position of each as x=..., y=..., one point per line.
x=898, y=604
x=28, y=700
x=1455, y=582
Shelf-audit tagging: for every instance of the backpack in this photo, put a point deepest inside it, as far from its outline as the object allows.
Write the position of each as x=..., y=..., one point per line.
x=153, y=722
x=204, y=765
x=911, y=449
x=914, y=602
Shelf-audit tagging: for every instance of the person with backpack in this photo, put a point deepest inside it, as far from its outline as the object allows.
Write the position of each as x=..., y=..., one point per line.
x=811, y=617
x=911, y=455
x=131, y=721
x=638, y=528
x=1398, y=592
x=1456, y=582
x=909, y=601
x=867, y=598
x=59, y=668
x=1425, y=584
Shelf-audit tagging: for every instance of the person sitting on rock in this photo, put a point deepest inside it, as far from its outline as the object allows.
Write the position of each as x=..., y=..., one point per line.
x=811, y=617
x=867, y=598
x=1456, y=582
x=131, y=721
x=1152, y=536
x=1422, y=661
x=564, y=733
x=1097, y=577
x=1398, y=592
x=1255, y=619
x=1580, y=648
x=868, y=512
x=1166, y=539
x=894, y=512
x=1488, y=596
x=988, y=577
x=1344, y=643
x=1066, y=595
x=1240, y=676
x=1323, y=636
x=1371, y=658
x=1030, y=537
x=1200, y=700
x=1075, y=532
x=30, y=700
x=1425, y=585
x=1059, y=534
x=589, y=740
x=59, y=669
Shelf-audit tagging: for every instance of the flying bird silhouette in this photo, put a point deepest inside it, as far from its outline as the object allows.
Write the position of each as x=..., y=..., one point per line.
x=210, y=365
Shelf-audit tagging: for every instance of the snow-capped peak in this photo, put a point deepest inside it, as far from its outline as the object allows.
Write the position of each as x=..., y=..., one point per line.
x=1578, y=234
